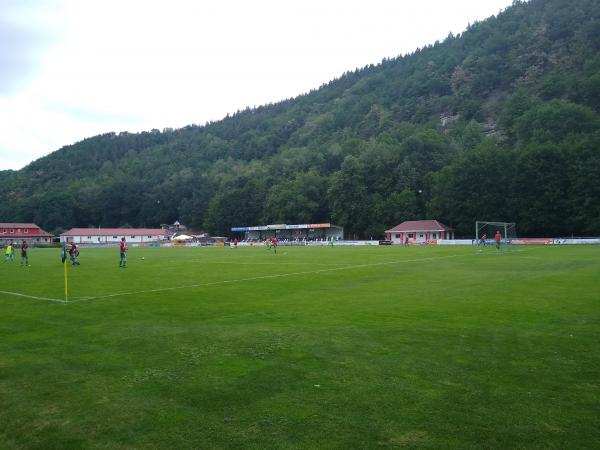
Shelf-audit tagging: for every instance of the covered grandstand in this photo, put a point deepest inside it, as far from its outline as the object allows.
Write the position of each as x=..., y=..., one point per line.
x=291, y=233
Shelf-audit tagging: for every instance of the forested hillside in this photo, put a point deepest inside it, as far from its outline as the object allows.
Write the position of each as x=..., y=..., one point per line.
x=499, y=123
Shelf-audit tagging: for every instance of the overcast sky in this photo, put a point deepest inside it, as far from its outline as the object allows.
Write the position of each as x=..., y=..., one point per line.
x=71, y=69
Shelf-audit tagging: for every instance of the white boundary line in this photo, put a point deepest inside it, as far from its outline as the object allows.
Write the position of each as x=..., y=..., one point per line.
x=16, y=294
x=278, y=263
x=239, y=280
x=262, y=277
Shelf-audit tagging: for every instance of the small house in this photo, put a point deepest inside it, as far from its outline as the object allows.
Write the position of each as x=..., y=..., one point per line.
x=418, y=232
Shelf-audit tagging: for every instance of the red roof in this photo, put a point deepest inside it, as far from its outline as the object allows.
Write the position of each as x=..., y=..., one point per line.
x=32, y=229
x=18, y=225
x=114, y=232
x=419, y=225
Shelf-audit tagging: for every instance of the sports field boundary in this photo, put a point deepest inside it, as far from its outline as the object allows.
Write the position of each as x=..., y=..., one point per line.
x=242, y=280
x=33, y=297
x=266, y=277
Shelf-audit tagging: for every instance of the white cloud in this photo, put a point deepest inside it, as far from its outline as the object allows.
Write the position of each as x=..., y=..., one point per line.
x=117, y=65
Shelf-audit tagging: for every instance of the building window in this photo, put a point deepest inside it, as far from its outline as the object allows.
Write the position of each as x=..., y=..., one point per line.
x=434, y=235
x=115, y=237
x=132, y=237
x=149, y=237
x=12, y=231
x=26, y=231
x=89, y=237
x=411, y=235
x=3, y=230
x=421, y=235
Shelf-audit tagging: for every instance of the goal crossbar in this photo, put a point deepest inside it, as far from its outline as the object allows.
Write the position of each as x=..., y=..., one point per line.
x=505, y=226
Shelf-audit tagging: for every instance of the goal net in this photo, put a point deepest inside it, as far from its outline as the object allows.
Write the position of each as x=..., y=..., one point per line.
x=485, y=231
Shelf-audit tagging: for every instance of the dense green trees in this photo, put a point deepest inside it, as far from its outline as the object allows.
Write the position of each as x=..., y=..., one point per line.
x=499, y=123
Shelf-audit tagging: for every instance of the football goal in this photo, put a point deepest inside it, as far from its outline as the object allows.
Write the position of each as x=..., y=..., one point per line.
x=486, y=230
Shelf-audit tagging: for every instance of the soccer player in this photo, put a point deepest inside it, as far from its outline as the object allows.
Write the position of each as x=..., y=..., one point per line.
x=274, y=243
x=73, y=254
x=8, y=254
x=483, y=240
x=123, y=251
x=498, y=239
x=24, y=254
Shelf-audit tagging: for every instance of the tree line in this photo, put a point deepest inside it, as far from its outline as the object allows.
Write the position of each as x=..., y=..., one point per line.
x=519, y=141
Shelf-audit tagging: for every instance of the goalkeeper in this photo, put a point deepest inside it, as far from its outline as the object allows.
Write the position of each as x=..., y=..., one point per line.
x=498, y=239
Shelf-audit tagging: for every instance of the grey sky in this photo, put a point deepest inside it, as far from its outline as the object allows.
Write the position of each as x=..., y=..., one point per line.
x=72, y=69
x=24, y=38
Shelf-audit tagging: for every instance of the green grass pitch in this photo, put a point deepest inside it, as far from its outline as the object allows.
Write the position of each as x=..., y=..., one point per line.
x=354, y=347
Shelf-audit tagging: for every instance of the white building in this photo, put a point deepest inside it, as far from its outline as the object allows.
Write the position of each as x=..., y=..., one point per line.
x=113, y=235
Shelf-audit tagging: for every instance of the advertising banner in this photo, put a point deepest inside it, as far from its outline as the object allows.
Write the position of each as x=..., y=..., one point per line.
x=319, y=225
x=532, y=241
x=283, y=226
x=573, y=241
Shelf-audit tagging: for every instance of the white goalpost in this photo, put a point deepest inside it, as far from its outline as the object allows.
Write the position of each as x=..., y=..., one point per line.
x=485, y=230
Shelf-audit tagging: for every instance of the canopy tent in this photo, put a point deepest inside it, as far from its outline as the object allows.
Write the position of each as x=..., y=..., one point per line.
x=182, y=237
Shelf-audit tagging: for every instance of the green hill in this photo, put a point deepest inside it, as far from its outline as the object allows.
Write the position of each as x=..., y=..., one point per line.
x=499, y=123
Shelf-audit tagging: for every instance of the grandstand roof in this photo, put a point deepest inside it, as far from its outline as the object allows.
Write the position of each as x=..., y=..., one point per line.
x=285, y=227
x=420, y=225
x=114, y=232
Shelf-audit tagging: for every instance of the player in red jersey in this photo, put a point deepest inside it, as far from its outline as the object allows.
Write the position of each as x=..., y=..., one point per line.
x=73, y=254
x=498, y=239
x=274, y=243
x=123, y=251
x=24, y=254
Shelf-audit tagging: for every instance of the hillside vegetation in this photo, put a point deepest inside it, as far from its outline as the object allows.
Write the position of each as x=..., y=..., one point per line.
x=501, y=122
